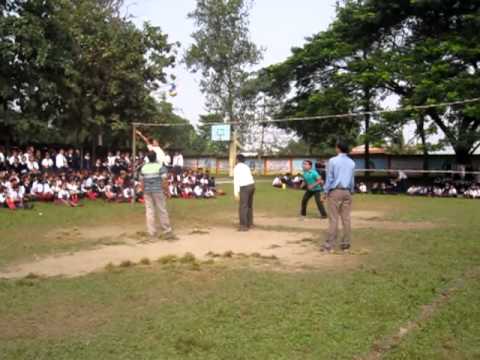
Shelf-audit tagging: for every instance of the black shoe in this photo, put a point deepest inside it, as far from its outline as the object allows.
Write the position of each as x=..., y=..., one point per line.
x=345, y=247
x=243, y=229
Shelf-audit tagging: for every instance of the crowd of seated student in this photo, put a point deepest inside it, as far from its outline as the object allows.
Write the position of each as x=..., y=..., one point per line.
x=63, y=178
x=190, y=184
x=438, y=189
x=288, y=181
x=471, y=191
x=65, y=188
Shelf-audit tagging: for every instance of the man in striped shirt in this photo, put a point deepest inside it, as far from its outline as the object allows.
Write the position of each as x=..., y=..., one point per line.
x=155, y=201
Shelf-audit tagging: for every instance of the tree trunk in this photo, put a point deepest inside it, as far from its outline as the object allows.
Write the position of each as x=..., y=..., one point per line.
x=367, y=108
x=423, y=138
x=94, y=147
x=462, y=156
x=7, y=136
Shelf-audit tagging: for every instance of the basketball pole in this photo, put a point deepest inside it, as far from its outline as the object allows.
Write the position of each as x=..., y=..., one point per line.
x=232, y=157
x=134, y=156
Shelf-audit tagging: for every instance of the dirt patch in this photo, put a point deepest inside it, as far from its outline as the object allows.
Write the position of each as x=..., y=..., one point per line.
x=108, y=233
x=283, y=245
x=293, y=241
x=360, y=219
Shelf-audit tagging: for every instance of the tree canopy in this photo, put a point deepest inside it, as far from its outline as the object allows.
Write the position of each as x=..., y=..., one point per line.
x=72, y=71
x=424, y=52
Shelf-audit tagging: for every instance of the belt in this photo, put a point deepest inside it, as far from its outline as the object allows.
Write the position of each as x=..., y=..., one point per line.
x=340, y=188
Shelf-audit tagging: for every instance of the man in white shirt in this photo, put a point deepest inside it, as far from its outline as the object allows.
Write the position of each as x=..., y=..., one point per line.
x=244, y=190
x=61, y=160
x=178, y=160
x=168, y=160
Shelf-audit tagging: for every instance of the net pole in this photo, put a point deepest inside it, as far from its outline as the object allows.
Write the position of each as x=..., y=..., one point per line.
x=134, y=157
x=232, y=151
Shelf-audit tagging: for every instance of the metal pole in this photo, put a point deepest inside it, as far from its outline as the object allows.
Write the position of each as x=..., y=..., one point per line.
x=133, y=160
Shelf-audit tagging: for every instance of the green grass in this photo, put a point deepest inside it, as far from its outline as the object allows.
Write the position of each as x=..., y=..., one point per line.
x=223, y=312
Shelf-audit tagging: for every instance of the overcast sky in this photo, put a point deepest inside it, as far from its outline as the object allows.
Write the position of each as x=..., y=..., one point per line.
x=276, y=25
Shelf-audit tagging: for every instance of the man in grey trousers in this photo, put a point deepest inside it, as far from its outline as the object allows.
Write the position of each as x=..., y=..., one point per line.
x=244, y=189
x=339, y=186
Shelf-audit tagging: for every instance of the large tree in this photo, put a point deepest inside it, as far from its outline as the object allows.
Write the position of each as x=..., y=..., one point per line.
x=79, y=70
x=425, y=52
x=223, y=53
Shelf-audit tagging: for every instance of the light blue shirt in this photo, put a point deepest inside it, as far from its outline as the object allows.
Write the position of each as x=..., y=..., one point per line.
x=340, y=173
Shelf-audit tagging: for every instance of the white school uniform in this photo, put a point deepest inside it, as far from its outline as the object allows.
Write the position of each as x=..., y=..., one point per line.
x=47, y=163
x=61, y=161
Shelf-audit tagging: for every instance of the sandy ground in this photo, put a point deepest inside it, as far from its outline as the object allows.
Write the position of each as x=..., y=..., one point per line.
x=291, y=240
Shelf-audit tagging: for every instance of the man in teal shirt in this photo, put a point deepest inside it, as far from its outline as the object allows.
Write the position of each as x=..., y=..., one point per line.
x=314, y=184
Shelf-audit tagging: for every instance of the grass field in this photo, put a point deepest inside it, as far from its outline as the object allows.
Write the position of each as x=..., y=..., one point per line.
x=415, y=295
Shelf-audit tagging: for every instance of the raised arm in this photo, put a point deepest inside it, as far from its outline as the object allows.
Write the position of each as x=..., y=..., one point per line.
x=143, y=137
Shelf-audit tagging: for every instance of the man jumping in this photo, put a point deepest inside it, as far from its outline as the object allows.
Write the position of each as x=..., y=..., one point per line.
x=155, y=201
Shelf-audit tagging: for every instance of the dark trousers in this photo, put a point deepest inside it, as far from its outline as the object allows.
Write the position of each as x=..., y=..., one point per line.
x=246, y=206
x=306, y=198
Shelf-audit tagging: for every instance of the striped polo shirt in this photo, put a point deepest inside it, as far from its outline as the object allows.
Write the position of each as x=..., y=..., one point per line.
x=152, y=177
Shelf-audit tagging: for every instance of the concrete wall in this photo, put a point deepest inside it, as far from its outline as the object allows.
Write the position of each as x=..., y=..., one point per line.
x=293, y=165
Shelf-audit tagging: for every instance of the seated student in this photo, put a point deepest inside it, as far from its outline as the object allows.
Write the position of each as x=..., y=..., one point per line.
x=277, y=182
x=412, y=190
x=425, y=190
x=452, y=192
x=208, y=192
x=475, y=192
x=101, y=188
x=139, y=192
x=437, y=191
x=86, y=188
x=287, y=180
x=198, y=191
x=187, y=191
x=110, y=194
x=63, y=197
x=126, y=194
x=15, y=198
x=26, y=187
x=173, y=189
x=3, y=197
x=297, y=181
x=73, y=189
x=3, y=159
x=211, y=182
x=16, y=166
x=204, y=180
x=362, y=188
x=383, y=188
x=47, y=192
